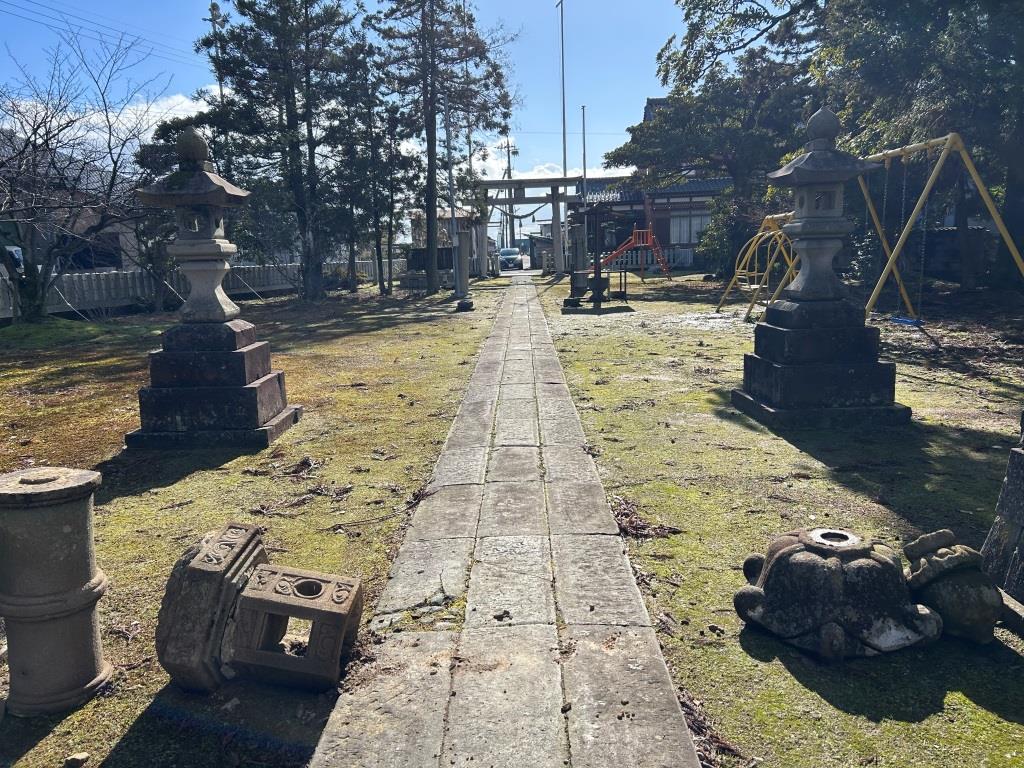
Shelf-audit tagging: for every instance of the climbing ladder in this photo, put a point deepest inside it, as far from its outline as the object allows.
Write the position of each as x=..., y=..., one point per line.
x=641, y=238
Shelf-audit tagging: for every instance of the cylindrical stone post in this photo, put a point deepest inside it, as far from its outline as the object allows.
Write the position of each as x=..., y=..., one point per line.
x=49, y=587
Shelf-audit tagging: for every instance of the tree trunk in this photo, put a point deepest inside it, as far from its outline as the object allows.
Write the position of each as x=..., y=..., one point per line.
x=1013, y=216
x=352, y=279
x=968, y=258
x=391, y=234
x=430, y=125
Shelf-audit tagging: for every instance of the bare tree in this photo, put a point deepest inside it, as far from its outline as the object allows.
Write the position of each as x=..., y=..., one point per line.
x=68, y=142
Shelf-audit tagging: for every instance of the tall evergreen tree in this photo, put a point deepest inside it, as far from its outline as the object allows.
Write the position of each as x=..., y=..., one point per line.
x=282, y=63
x=435, y=51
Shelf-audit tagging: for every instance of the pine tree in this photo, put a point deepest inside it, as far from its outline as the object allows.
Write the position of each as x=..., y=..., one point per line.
x=282, y=63
x=435, y=51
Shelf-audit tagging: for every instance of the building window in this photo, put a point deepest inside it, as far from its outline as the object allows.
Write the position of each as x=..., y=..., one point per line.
x=687, y=229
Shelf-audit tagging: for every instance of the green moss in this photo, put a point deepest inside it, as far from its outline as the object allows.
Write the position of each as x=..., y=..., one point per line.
x=653, y=391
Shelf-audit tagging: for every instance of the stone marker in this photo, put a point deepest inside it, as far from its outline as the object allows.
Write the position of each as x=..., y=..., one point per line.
x=815, y=363
x=832, y=593
x=947, y=577
x=49, y=587
x=1003, y=550
x=226, y=611
x=212, y=384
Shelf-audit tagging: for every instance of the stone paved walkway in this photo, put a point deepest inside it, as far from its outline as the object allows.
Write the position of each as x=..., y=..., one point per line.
x=556, y=663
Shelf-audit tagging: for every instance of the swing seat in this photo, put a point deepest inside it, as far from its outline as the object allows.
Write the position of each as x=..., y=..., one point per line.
x=901, y=320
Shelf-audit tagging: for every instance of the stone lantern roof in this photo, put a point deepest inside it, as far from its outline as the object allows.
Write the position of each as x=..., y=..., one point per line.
x=195, y=182
x=822, y=163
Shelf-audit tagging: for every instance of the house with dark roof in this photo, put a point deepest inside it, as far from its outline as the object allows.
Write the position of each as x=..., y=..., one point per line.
x=616, y=206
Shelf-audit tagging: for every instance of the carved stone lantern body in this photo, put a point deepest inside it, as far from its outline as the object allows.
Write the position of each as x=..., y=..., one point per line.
x=815, y=363
x=199, y=196
x=212, y=384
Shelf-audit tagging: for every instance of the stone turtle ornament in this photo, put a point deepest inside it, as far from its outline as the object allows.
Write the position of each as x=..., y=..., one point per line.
x=829, y=592
x=948, y=578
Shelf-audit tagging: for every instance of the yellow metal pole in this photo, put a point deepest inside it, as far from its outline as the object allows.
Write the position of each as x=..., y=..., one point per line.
x=983, y=191
x=773, y=255
x=885, y=245
x=741, y=265
x=906, y=232
x=910, y=149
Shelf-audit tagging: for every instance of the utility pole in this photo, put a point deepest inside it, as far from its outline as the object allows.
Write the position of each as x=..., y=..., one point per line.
x=510, y=151
x=565, y=152
x=461, y=281
x=597, y=291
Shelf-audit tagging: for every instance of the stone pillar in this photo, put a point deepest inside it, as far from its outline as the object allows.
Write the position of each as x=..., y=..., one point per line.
x=49, y=587
x=557, y=245
x=212, y=384
x=815, y=362
x=1004, y=547
x=462, y=251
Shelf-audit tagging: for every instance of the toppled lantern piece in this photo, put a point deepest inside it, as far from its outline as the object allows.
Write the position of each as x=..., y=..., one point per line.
x=830, y=592
x=226, y=613
x=947, y=577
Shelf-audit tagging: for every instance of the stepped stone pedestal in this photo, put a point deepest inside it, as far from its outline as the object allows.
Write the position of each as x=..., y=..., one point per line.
x=815, y=362
x=212, y=384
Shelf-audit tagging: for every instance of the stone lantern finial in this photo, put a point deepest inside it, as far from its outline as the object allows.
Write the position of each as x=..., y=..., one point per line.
x=193, y=151
x=822, y=129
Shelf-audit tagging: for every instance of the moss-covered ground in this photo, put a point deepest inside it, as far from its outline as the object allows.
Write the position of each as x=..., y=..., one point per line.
x=380, y=380
x=653, y=389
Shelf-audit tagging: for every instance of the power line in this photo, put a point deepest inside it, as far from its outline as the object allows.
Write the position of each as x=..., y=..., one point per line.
x=147, y=30
x=97, y=35
x=46, y=12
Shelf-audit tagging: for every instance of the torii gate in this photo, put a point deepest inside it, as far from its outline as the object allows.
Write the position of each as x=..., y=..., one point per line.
x=515, y=194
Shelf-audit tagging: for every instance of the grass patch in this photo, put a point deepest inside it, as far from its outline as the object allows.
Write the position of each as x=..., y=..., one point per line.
x=653, y=393
x=381, y=380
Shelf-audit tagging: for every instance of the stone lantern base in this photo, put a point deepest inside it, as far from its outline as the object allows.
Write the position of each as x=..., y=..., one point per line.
x=212, y=386
x=815, y=365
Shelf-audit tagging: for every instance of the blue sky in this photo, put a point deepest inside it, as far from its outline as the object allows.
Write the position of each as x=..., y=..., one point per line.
x=610, y=67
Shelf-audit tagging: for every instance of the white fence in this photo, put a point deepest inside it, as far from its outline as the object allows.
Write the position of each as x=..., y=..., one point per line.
x=84, y=291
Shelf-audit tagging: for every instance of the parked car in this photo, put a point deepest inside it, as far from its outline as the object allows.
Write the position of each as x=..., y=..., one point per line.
x=511, y=258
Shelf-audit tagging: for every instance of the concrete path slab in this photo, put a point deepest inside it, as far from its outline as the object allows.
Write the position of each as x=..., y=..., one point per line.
x=394, y=718
x=570, y=463
x=450, y=512
x=505, y=709
x=511, y=509
x=459, y=466
x=509, y=465
x=510, y=582
x=624, y=707
x=427, y=573
x=594, y=583
x=554, y=664
x=579, y=508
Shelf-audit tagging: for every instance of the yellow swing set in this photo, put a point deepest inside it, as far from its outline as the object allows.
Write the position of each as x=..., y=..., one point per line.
x=950, y=143
x=766, y=246
x=770, y=229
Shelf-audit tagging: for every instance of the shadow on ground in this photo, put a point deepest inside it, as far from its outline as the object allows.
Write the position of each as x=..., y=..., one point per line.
x=131, y=473
x=908, y=685
x=906, y=469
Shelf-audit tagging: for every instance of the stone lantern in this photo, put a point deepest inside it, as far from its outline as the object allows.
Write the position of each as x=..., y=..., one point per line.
x=815, y=362
x=212, y=383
